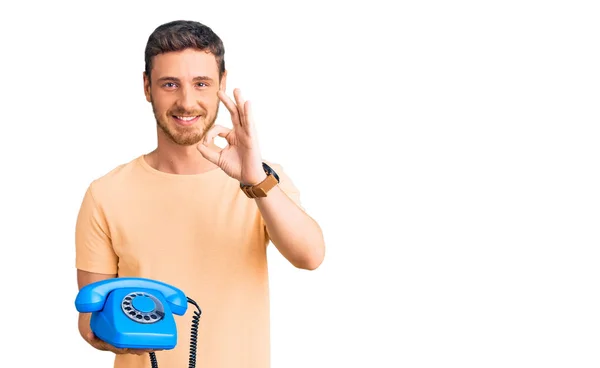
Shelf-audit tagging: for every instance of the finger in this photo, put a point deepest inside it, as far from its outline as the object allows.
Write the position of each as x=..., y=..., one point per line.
x=96, y=342
x=117, y=350
x=108, y=347
x=216, y=130
x=103, y=345
x=230, y=105
x=237, y=94
x=249, y=114
x=208, y=153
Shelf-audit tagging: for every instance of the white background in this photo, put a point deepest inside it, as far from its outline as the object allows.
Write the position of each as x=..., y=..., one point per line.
x=449, y=151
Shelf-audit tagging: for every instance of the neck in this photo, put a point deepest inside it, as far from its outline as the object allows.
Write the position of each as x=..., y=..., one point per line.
x=172, y=158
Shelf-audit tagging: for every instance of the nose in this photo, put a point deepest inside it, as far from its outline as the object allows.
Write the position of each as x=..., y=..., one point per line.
x=187, y=99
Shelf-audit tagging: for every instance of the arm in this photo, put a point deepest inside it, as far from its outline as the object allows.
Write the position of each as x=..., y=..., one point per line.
x=297, y=236
x=293, y=232
x=84, y=278
x=94, y=252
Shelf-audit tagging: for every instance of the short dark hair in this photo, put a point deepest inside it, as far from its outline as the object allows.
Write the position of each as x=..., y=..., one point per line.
x=179, y=35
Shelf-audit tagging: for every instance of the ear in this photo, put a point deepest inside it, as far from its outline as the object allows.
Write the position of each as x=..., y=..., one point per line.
x=223, y=82
x=147, y=87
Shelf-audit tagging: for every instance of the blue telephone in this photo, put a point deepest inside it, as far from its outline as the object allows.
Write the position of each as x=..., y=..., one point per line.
x=137, y=313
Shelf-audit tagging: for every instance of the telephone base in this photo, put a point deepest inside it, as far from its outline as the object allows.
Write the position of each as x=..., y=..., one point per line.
x=124, y=331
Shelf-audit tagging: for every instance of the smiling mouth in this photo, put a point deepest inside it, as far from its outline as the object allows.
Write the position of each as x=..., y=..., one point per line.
x=185, y=120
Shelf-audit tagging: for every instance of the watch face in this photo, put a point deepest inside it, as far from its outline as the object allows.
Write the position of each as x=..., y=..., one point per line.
x=268, y=170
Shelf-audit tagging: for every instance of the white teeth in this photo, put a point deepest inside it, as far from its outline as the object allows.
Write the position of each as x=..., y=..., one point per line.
x=186, y=118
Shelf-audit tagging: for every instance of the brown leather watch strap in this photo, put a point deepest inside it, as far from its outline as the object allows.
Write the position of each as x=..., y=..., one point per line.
x=260, y=190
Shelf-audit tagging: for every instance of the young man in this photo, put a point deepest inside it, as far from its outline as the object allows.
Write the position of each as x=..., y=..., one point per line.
x=193, y=215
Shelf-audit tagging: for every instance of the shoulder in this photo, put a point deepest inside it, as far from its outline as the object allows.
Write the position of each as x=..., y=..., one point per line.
x=120, y=176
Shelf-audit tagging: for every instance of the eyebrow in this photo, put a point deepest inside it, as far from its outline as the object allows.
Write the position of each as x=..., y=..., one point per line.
x=173, y=79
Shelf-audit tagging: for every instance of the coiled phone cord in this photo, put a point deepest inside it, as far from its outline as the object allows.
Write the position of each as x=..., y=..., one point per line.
x=194, y=333
x=153, y=360
x=193, y=338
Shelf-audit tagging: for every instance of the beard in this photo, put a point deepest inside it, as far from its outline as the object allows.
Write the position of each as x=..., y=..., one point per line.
x=185, y=136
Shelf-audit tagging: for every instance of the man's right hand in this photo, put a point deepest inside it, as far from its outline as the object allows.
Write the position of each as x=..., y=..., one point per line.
x=104, y=346
x=85, y=278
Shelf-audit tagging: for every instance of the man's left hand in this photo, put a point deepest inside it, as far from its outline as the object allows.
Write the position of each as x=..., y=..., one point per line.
x=241, y=158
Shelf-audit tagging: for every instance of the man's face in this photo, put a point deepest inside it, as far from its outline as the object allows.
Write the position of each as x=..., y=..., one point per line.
x=183, y=94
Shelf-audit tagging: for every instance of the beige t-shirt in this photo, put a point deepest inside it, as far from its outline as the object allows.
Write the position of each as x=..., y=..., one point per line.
x=199, y=233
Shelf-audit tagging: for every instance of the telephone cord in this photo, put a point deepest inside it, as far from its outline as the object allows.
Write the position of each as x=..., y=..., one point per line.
x=194, y=333
x=153, y=360
x=193, y=338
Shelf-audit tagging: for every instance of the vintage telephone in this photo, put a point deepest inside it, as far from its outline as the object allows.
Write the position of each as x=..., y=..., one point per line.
x=137, y=313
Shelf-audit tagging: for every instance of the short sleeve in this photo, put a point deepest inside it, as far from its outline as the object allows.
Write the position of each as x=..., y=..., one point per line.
x=93, y=245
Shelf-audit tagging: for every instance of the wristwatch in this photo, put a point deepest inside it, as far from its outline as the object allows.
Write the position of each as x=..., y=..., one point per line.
x=260, y=190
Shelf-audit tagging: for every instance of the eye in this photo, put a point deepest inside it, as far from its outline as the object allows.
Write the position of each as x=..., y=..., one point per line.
x=202, y=84
x=169, y=85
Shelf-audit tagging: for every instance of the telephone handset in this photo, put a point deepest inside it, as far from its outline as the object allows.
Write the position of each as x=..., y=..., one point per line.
x=136, y=313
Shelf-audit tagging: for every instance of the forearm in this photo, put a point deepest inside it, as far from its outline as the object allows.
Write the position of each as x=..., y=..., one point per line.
x=295, y=234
